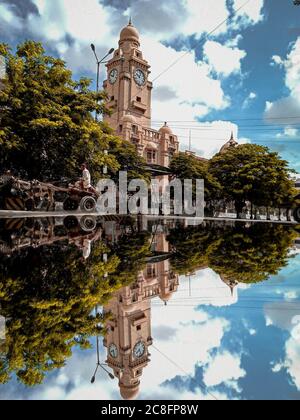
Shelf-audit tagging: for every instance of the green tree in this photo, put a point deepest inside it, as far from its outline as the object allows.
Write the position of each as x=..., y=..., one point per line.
x=47, y=296
x=250, y=255
x=47, y=126
x=252, y=173
x=243, y=254
x=185, y=166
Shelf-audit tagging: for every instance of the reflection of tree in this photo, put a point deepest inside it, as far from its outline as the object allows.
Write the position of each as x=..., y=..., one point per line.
x=132, y=250
x=47, y=296
x=190, y=248
x=243, y=254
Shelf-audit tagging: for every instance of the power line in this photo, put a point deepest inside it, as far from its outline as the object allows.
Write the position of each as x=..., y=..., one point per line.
x=234, y=119
x=232, y=307
x=188, y=51
x=202, y=386
x=205, y=38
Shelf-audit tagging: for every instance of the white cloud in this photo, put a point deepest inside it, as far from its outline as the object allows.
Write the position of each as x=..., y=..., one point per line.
x=202, y=17
x=288, y=132
x=251, y=14
x=291, y=295
x=70, y=26
x=249, y=100
x=288, y=106
x=223, y=59
x=225, y=367
x=277, y=60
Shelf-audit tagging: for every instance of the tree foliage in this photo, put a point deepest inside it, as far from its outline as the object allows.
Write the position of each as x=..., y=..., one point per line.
x=246, y=254
x=47, y=296
x=47, y=128
x=185, y=166
x=252, y=173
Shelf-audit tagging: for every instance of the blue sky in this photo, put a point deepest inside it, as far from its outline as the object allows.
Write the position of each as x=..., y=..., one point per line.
x=245, y=77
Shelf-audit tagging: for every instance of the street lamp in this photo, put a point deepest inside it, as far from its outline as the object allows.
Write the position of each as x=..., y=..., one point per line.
x=98, y=363
x=101, y=365
x=99, y=62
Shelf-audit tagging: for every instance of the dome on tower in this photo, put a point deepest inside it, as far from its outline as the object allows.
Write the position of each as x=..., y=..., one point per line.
x=229, y=145
x=129, y=119
x=129, y=392
x=129, y=33
x=166, y=130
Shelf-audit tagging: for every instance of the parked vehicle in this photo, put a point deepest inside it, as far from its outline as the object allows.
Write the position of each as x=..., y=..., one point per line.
x=18, y=195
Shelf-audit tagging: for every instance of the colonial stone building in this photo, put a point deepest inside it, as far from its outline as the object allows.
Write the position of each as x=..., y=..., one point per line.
x=129, y=91
x=129, y=329
x=129, y=335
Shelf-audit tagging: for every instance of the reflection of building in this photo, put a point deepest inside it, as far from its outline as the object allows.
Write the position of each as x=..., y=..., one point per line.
x=129, y=329
x=129, y=91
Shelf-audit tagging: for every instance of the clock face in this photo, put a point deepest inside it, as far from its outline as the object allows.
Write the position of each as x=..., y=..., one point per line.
x=139, y=77
x=113, y=76
x=113, y=351
x=139, y=350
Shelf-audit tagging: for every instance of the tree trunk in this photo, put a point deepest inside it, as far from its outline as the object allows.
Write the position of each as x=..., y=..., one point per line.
x=239, y=209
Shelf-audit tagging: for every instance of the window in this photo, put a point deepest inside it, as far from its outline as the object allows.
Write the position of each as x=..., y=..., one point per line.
x=139, y=99
x=139, y=327
x=134, y=129
x=120, y=128
x=112, y=98
x=112, y=329
x=151, y=157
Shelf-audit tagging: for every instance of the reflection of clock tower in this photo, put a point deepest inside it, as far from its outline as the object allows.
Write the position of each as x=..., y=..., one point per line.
x=127, y=340
x=129, y=99
x=127, y=86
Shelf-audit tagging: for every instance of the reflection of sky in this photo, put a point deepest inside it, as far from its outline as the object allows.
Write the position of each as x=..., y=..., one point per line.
x=247, y=349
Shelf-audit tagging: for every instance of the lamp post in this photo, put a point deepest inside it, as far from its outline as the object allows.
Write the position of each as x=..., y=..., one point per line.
x=99, y=364
x=99, y=62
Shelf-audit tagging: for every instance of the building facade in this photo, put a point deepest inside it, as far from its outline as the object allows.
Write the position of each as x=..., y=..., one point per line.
x=129, y=92
x=128, y=335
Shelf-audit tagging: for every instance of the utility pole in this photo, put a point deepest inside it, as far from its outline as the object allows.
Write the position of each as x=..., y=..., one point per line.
x=99, y=62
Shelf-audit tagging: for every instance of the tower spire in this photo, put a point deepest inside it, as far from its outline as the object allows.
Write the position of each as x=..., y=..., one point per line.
x=130, y=21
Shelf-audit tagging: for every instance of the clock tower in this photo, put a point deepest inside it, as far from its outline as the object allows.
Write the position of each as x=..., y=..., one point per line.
x=127, y=84
x=129, y=98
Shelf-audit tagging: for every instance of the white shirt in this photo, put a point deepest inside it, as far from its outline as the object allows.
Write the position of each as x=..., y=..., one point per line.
x=86, y=176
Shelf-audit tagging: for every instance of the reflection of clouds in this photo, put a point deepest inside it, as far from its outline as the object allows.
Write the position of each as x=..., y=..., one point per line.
x=205, y=288
x=291, y=362
x=224, y=368
x=286, y=315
